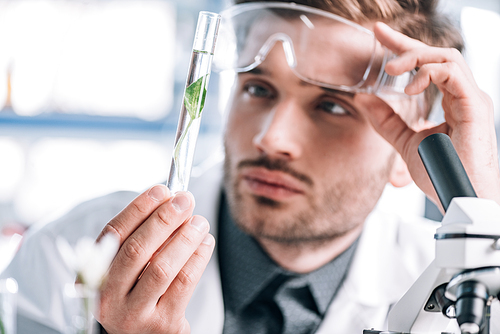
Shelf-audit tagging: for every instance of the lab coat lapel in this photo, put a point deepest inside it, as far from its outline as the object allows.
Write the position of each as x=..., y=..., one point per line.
x=379, y=275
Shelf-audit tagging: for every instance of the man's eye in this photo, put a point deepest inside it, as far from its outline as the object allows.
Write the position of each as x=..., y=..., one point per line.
x=333, y=108
x=259, y=91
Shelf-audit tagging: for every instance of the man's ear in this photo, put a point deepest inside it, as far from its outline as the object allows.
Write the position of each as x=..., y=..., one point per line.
x=400, y=176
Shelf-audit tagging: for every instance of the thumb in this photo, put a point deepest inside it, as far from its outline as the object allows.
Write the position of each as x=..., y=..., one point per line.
x=399, y=134
x=386, y=121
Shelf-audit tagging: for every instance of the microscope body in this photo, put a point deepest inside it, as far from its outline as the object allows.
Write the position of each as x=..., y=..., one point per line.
x=463, y=278
x=455, y=292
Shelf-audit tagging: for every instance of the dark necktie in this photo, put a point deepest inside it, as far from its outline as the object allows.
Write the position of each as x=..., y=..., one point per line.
x=285, y=306
x=298, y=307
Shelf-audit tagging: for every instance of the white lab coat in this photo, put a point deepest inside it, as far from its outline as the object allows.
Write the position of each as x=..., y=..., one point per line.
x=390, y=256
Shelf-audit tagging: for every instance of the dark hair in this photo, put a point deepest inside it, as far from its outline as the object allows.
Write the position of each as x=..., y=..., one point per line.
x=418, y=19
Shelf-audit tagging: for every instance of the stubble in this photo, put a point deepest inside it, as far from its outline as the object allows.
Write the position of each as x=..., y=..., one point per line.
x=329, y=214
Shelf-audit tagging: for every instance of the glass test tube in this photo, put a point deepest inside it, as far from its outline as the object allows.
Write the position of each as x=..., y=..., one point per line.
x=193, y=101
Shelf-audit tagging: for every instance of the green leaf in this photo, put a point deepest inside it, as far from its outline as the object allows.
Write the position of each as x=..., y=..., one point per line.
x=194, y=97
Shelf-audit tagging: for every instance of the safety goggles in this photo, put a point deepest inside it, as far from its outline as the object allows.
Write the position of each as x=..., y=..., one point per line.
x=321, y=48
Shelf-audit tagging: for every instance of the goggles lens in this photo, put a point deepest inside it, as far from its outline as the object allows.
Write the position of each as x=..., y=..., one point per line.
x=320, y=47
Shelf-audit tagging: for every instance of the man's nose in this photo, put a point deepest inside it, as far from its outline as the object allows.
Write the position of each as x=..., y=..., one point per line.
x=282, y=131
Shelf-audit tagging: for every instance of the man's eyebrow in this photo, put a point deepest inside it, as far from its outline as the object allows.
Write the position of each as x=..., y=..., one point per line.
x=257, y=70
x=338, y=92
x=261, y=71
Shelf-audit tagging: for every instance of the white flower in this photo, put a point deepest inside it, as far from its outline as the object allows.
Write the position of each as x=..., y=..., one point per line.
x=8, y=248
x=89, y=260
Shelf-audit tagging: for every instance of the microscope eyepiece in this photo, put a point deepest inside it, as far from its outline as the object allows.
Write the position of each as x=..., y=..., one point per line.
x=470, y=306
x=444, y=168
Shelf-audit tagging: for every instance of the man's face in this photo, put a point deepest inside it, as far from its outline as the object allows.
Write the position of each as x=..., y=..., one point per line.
x=302, y=163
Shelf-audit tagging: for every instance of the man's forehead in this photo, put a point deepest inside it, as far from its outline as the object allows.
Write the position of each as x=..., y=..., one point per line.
x=325, y=49
x=305, y=26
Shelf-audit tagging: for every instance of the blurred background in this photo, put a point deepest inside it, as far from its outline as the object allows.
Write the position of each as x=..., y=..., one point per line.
x=90, y=92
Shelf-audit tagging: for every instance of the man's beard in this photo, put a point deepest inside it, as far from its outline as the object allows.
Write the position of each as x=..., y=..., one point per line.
x=341, y=208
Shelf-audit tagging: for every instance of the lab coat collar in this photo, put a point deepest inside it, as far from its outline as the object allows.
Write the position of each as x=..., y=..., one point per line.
x=379, y=274
x=390, y=256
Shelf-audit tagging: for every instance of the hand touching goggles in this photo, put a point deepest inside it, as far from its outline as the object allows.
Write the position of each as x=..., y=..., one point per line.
x=321, y=48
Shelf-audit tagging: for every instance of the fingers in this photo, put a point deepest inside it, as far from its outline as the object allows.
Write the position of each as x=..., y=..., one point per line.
x=386, y=122
x=169, y=249
x=446, y=76
x=445, y=67
x=421, y=56
x=177, y=297
x=183, y=258
x=136, y=212
x=139, y=247
x=468, y=111
x=415, y=54
x=394, y=40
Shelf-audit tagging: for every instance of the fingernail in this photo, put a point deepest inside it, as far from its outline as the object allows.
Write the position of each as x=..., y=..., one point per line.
x=157, y=193
x=384, y=25
x=199, y=223
x=181, y=202
x=208, y=240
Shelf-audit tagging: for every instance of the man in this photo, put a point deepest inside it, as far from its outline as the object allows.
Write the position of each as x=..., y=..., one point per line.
x=312, y=139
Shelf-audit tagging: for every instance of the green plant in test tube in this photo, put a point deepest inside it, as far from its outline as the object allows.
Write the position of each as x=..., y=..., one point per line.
x=194, y=100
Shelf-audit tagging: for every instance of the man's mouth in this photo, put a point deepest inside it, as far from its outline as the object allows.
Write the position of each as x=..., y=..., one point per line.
x=275, y=185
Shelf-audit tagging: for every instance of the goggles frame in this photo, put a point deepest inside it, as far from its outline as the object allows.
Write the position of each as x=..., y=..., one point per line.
x=384, y=84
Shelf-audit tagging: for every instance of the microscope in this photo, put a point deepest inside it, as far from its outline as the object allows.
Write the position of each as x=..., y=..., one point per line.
x=455, y=292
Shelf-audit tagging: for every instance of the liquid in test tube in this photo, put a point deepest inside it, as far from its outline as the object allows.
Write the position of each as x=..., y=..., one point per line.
x=193, y=101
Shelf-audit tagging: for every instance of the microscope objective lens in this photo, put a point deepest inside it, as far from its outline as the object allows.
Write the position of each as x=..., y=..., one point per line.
x=469, y=328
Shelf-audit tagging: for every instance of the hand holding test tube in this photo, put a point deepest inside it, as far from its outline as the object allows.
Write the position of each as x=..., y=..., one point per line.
x=159, y=299
x=193, y=101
